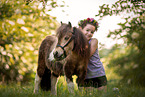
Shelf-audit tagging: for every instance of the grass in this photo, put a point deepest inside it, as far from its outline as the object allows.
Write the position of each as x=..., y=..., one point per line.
x=113, y=90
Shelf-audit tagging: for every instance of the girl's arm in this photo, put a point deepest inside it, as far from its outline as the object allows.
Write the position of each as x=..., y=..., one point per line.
x=93, y=46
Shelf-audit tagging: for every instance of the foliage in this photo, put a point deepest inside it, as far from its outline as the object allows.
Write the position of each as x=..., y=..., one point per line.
x=135, y=6
x=52, y=3
x=128, y=61
x=22, y=28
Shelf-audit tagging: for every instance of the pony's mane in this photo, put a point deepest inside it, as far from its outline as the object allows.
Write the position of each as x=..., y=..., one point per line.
x=81, y=45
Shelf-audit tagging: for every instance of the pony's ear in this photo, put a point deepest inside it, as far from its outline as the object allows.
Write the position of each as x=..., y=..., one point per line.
x=61, y=22
x=70, y=24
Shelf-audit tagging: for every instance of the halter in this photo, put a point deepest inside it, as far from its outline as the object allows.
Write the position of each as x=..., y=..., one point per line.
x=62, y=47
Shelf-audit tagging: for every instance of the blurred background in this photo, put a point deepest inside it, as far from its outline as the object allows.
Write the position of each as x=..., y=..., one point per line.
x=25, y=23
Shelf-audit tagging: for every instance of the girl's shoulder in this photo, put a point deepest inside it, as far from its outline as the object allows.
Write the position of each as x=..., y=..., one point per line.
x=94, y=45
x=94, y=41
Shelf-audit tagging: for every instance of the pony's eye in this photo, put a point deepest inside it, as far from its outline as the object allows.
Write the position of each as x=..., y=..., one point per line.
x=87, y=30
x=66, y=38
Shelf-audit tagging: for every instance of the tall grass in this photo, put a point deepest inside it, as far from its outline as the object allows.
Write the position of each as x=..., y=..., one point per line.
x=113, y=90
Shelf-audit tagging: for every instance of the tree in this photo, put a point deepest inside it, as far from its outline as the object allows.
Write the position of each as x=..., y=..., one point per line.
x=22, y=28
x=130, y=66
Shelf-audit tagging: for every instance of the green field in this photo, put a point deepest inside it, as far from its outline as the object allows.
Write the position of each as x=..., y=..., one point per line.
x=113, y=90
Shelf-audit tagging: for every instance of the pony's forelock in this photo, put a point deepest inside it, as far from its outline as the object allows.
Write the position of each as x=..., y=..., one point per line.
x=62, y=30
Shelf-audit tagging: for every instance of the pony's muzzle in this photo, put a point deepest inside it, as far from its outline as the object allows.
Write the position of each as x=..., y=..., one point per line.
x=58, y=56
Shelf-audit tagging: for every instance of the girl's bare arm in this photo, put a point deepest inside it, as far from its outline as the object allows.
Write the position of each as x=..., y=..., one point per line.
x=93, y=46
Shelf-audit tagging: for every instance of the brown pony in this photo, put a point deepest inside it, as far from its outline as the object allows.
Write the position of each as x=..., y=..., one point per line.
x=66, y=53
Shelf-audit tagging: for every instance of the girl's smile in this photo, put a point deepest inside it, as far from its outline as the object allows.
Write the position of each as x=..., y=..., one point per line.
x=89, y=30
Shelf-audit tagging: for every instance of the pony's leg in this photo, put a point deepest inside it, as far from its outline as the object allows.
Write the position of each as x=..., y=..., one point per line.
x=70, y=85
x=36, y=83
x=54, y=80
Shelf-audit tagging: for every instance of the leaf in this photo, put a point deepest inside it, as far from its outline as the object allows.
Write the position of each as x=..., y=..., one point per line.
x=12, y=60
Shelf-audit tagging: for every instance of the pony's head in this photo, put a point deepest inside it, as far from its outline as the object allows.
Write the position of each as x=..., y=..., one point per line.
x=71, y=39
x=65, y=44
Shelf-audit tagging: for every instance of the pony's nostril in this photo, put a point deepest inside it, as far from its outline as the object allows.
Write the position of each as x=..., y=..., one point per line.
x=57, y=56
x=55, y=53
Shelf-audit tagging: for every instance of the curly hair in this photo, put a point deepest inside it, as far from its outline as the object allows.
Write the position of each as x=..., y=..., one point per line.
x=92, y=21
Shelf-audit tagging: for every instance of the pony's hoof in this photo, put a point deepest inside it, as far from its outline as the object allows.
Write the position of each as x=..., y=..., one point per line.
x=35, y=91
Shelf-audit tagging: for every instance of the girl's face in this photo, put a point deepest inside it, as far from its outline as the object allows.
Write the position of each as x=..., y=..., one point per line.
x=89, y=30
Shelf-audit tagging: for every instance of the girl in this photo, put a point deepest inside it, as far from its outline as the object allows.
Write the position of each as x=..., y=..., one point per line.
x=95, y=71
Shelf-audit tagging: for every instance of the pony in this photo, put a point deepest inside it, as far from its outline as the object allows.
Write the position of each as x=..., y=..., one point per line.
x=66, y=53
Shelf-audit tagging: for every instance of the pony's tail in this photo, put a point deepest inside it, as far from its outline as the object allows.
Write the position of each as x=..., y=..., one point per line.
x=45, y=83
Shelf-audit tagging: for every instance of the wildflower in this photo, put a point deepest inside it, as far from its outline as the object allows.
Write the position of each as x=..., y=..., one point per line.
x=11, y=22
x=25, y=29
x=115, y=89
x=135, y=35
x=20, y=21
